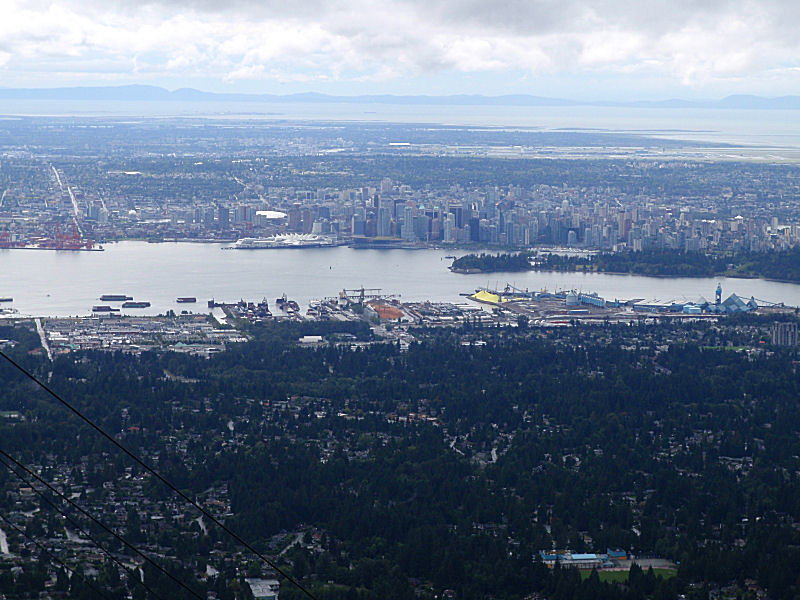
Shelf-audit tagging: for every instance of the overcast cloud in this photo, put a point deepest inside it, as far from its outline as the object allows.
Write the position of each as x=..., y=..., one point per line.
x=687, y=46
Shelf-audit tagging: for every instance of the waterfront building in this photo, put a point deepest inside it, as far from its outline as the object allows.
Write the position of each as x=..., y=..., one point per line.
x=384, y=222
x=224, y=218
x=408, y=223
x=358, y=225
x=449, y=228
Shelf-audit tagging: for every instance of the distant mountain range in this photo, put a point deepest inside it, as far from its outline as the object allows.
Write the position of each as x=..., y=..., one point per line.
x=143, y=93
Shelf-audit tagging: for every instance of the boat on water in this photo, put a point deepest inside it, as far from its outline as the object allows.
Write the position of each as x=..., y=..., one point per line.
x=289, y=240
x=115, y=298
x=135, y=304
x=6, y=299
x=187, y=300
x=103, y=308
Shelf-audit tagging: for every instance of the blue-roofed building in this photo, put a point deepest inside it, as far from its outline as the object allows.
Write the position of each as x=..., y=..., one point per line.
x=577, y=560
x=548, y=557
x=592, y=300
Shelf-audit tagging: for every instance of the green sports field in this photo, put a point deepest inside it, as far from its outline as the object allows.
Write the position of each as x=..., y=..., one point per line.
x=622, y=576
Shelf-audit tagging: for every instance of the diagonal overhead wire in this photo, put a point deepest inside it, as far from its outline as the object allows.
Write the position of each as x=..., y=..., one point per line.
x=78, y=527
x=95, y=520
x=54, y=558
x=160, y=477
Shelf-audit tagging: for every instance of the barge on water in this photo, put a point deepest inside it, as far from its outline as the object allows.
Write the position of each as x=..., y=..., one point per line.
x=115, y=298
x=187, y=300
x=135, y=305
x=103, y=308
x=6, y=299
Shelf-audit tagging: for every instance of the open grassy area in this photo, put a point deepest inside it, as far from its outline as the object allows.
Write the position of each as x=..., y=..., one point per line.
x=622, y=576
x=608, y=576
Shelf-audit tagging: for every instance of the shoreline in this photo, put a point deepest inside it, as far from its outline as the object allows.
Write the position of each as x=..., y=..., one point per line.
x=68, y=284
x=55, y=249
x=629, y=274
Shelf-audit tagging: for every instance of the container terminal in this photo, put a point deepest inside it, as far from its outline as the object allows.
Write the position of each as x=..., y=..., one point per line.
x=391, y=320
x=70, y=240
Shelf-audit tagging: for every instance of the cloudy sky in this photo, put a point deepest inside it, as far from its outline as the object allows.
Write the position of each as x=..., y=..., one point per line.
x=584, y=49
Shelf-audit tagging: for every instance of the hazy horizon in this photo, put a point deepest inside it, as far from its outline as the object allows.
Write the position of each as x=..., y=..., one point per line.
x=612, y=50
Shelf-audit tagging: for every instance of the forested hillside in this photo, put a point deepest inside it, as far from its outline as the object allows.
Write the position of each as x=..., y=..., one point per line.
x=444, y=467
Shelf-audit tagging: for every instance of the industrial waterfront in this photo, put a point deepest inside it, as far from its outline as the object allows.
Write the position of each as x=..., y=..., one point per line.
x=60, y=284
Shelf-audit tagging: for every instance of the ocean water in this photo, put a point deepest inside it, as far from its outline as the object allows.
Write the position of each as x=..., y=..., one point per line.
x=762, y=128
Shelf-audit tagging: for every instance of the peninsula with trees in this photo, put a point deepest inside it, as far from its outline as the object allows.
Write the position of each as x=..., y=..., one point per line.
x=782, y=265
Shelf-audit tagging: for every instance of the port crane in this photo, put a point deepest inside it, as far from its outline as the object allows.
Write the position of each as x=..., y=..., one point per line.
x=67, y=240
x=5, y=239
x=771, y=304
x=510, y=287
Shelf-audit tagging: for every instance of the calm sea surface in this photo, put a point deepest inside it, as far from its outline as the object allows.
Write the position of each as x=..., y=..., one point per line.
x=49, y=283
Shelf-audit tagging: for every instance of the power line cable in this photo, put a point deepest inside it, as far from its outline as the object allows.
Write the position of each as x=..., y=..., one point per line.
x=160, y=477
x=97, y=522
x=77, y=526
x=54, y=558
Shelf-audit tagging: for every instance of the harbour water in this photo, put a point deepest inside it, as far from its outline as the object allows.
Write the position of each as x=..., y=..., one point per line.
x=51, y=283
